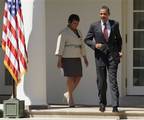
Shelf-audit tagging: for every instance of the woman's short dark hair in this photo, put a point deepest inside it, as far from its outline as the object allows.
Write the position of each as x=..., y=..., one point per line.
x=73, y=17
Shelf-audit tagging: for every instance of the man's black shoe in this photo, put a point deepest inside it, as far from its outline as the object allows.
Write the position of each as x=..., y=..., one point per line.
x=102, y=108
x=115, y=109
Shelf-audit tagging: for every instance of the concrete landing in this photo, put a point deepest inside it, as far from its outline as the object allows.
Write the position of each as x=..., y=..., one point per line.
x=88, y=112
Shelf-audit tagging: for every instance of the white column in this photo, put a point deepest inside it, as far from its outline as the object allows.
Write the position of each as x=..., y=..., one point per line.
x=32, y=88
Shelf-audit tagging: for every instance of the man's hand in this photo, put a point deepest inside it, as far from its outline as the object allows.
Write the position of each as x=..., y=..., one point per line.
x=98, y=45
x=120, y=54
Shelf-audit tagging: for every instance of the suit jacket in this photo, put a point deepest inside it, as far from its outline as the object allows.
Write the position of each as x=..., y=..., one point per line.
x=109, y=50
x=69, y=45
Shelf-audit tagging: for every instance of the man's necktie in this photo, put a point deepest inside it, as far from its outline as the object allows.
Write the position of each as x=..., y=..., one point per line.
x=105, y=32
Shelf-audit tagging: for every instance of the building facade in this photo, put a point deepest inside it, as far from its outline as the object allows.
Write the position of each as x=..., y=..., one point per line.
x=43, y=19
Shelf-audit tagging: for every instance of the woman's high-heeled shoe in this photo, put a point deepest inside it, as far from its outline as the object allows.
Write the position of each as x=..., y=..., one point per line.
x=69, y=100
x=66, y=97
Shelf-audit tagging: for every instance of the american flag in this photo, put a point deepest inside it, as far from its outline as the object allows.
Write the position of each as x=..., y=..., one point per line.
x=13, y=40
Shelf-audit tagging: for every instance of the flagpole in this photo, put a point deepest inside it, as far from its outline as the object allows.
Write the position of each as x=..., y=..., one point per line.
x=14, y=95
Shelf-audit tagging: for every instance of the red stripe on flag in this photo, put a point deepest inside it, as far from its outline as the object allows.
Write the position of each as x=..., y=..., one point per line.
x=12, y=49
x=23, y=61
x=22, y=38
x=12, y=29
x=5, y=13
x=4, y=28
x=20, y=14
x=3, y=45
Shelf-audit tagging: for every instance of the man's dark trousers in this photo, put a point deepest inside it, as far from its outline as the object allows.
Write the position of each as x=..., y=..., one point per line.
x=111, y=67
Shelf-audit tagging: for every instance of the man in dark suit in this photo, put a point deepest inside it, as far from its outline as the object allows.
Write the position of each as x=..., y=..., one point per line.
x=107, y=45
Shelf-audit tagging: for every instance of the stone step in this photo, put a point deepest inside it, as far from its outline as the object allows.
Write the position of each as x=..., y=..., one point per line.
x=61, y=111
x=69, y=118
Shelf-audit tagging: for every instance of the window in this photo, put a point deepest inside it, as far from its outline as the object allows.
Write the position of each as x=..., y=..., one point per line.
x=138, y=42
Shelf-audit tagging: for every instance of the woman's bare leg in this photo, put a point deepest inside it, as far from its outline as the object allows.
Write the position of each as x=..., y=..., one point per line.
x=76, y=82
x=69, y=93
x=72, y=83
